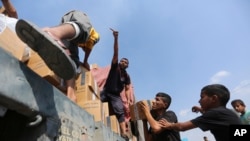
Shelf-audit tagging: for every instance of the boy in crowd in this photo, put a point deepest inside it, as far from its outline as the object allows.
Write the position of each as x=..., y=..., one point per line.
x=240, y=107
x=159, y=111
x=216, y=117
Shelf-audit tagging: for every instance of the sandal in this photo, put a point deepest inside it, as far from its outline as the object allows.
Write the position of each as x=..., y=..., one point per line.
x=48, y=49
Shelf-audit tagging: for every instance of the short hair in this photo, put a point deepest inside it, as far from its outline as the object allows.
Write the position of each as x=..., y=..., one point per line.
x=238, y=101
x=165, y=97
x=125, y=59
x=219, y=90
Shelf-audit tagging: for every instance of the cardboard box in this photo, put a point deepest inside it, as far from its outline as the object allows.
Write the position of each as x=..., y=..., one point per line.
x=94, y=66
x=105, y=110
x=112, y=122
x=10, y=42
x=2, y=9
x=86, y=78
x=83, y=93
x=135, y=111
x=97, y=108
x=38, y=66
x=94, y=107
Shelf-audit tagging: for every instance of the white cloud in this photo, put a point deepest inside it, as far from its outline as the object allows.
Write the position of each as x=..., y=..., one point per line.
x=218, y=76
x=184, y=112
x=243, y=88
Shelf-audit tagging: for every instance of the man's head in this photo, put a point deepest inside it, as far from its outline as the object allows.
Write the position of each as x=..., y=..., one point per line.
x=162, y=101
x=124, y=63
x=213, y=96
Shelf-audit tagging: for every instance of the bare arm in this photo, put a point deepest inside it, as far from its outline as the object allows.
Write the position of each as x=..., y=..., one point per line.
x=10, y=8
x=115, y=56
x=155, y=125
x=197, y=109
x=127, y=94
x=180, y=126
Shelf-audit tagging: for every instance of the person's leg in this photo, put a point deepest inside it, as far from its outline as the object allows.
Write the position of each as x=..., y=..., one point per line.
x=64, y=32
x=55, y=57
x=118, y=108
x=103, y=96
x=61, y=32
x=123, y=127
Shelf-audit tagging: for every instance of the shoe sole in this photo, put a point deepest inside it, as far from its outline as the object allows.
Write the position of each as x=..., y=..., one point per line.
x=48, y=49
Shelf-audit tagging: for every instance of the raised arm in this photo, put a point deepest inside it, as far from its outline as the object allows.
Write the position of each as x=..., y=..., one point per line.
x=11, y=11
x=115, y=56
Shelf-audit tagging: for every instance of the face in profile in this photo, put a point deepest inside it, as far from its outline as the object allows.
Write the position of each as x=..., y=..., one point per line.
x=206, y=101
x=158, y=103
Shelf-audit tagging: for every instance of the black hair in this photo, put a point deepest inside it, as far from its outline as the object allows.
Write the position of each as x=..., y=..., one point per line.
x=238, y=101
x=125, y=59
x=165, y=97
x=219, y=90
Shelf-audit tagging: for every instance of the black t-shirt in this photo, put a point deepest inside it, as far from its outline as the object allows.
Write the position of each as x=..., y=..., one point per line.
x=117, y=79
x=166, y=135
x=217, y=120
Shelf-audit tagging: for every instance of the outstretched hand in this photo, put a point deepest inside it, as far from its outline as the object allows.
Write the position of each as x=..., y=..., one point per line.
x=115, y=33
x=197, y=109
x=164, y=123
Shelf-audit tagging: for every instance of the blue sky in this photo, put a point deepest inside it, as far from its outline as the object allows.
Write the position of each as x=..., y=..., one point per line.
x=174, y=46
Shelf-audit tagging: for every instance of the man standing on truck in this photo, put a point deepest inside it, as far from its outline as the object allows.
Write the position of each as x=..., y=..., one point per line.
x=117, y=80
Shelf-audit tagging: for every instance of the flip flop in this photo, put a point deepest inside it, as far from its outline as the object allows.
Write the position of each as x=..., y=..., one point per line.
x=48, y=49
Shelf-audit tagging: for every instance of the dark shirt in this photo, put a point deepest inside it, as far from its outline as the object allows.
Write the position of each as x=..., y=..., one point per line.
x=166, y=135
x=217, y=120
x=117, y=79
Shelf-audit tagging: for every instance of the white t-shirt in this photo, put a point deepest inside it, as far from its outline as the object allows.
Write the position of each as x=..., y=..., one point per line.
x=7, y=21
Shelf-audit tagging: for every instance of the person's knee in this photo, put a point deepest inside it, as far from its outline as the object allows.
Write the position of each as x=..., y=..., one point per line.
x=120, y=118
x=103, y=96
